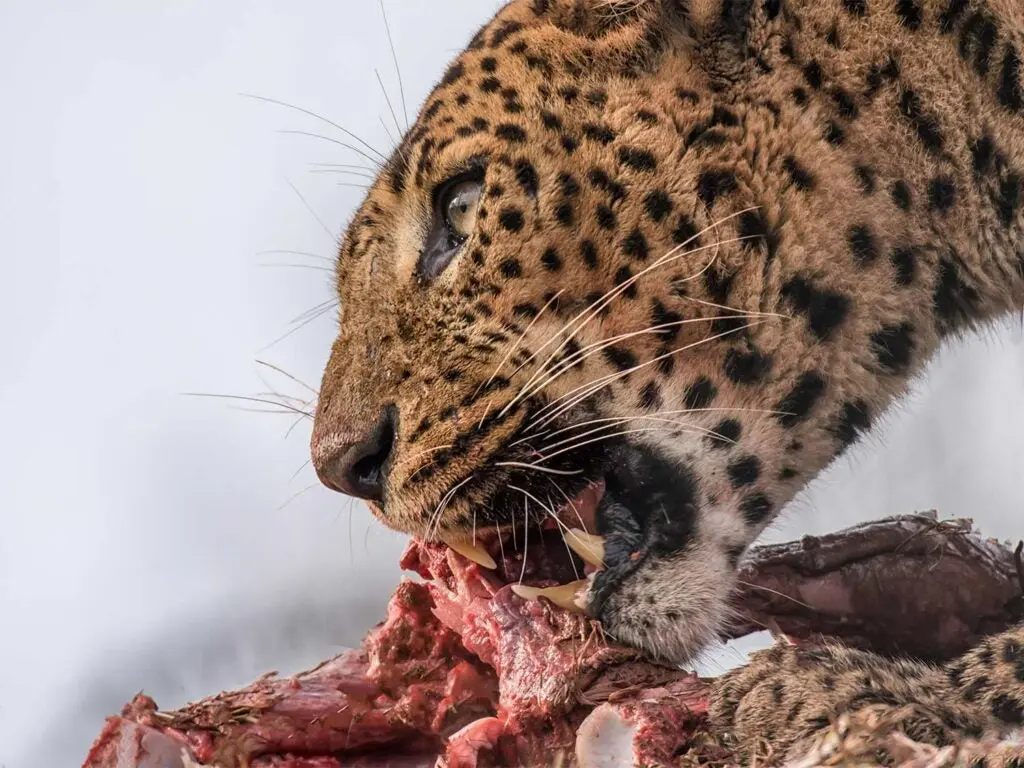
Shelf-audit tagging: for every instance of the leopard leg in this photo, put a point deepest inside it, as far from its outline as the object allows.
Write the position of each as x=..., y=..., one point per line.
x=990, y=677
x=787, y=700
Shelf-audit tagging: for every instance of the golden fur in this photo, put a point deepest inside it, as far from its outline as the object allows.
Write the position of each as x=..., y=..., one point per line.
x=788, y=699
x=786, y=205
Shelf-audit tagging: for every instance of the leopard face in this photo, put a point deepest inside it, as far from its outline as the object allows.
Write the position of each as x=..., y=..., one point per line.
x=674, y=255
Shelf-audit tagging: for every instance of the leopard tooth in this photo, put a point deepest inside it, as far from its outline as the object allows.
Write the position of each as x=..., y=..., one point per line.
x=563, y=596
x=588, y=546
x=472, y=552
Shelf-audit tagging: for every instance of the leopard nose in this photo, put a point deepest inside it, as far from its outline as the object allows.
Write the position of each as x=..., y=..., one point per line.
x=357, y=466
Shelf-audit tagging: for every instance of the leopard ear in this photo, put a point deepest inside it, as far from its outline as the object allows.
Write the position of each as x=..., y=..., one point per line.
x=627, y=7
x=596, y=18
x=632, y=35
x=627, y=36
x=700, y=13
x=719, y=30
x=696, y=18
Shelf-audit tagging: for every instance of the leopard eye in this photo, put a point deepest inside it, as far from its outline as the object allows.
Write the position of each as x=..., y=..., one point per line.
x=460, y=204
x=456, y=204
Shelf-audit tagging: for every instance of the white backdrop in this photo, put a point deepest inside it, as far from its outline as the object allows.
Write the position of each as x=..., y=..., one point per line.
x=154, y=541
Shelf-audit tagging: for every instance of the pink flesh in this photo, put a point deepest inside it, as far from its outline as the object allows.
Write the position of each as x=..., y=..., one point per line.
x=461, y=672
x=548, y=559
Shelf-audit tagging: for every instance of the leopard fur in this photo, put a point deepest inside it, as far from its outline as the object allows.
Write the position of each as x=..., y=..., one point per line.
x=736, y=230
x=788, y=698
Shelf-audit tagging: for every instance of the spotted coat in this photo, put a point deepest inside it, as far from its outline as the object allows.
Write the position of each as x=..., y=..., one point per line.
x=732, y=230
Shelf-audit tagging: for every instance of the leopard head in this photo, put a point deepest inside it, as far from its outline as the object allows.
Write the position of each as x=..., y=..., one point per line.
x=542, y=295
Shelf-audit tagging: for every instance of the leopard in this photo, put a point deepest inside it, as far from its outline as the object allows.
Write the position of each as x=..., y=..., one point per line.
x=843, y=706
x=685, y=252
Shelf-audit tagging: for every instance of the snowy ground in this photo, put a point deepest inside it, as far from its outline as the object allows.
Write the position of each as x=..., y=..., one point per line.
x=152, y=540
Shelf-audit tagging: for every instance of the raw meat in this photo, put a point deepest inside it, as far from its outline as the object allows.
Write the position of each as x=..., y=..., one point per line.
x=464, y=674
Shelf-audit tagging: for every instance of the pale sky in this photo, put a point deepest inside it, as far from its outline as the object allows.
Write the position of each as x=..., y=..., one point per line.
x=154, y=541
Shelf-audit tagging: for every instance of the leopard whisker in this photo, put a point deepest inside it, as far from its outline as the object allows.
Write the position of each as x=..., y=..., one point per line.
x=387, y=99
x=515, y=544
x=304, y=464
x=769, y=590
x=418, y=454
x=566, y=532
x=420, y=469
x=596, y=306
x=580, y=356
x=317, y=310
x=579, y=425
x=300, y=326
x=376, y=163
x=274, y=411
x=244, y=398
x=368, y=174
x=354, y=166
x=525, y=388
x=387, y=132
x=604, y=381
x=527, y=439
x=676, y=428
x=322, y=119
x=640, y=430
x=486, y=413
x=288, y=252
x=526, y=465
x=551, y=513
x=435, y=519
x=519, y=340
x=526, y=536
x=280, y=265
x=291, y=399
x=289, y=376
x=351, y=546
x=737, y=312
x=672, y=255
x=398, y=70
x=531, y=497
x=296, y=495
x=501, y=544
x=616, y=422
x=283, y=398
x=693, y=428
x=570, y=503
x=295, y=424
x=312, y=212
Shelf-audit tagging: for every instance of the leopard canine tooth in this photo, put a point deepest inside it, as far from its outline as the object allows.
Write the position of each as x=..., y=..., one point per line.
x=563, y=596
x=588, y=546
x=472, y=552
